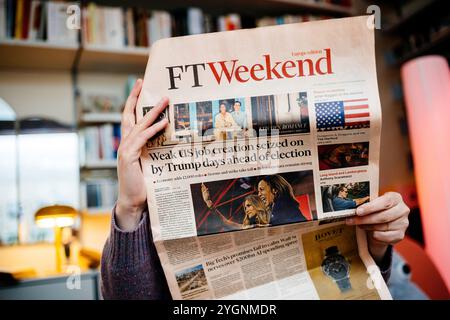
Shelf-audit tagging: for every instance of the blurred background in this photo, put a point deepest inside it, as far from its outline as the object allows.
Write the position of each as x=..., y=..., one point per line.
x=63, y=82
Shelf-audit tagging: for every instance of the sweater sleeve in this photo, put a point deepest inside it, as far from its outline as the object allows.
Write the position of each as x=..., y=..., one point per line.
x=130, y=267
x=385, y=264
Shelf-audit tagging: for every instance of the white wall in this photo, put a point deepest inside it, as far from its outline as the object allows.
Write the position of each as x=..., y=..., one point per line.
x=32, y=93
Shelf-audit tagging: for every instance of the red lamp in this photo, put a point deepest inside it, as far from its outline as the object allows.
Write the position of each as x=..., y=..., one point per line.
x=426, y=86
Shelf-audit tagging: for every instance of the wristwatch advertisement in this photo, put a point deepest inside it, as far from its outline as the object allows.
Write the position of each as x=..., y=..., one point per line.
x=336, y=266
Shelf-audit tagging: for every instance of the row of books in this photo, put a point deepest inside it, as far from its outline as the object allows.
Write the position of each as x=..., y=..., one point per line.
x=270, y=21
x=438, y=34
x=343, y=3
x=101, y=25
x=119, y=27
x=98, y=193
x=99, y=143
x=137, y=27
x=37, y=20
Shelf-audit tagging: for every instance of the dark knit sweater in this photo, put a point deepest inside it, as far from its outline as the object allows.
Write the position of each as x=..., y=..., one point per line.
x=131, y=268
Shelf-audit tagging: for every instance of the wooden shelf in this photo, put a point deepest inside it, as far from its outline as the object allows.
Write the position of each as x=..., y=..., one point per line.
x=317, y=7
x=101, y=164
x=247, y=7
x=440, y=40
x=415, y=15
x=24, y=54
x=41, y=55
x=96, y=212
x=105, y=59
x=98, y=117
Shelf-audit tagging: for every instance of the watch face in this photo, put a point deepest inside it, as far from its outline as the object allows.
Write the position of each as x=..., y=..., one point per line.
x=335, y=267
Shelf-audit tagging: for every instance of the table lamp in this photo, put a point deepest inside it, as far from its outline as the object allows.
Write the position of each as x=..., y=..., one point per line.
x=56, y=217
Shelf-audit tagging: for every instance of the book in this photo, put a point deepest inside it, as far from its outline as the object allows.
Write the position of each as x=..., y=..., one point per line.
x=98, y=192
x=129, y=27
x=3, y=22
x=287, y=19
x=26, y=18
x=18, y=21
x=10, y=13
x=42, y=31
x=35, y=19
x=229, y=22
x=195, y=21
x=114, y=35
x=99, y=144
x=141, y=28
x=91, y=23
x=159, y=26
x=179, y=17
x=57, y=30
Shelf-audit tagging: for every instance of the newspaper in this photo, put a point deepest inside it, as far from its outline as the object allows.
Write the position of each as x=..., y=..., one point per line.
x=273, y=137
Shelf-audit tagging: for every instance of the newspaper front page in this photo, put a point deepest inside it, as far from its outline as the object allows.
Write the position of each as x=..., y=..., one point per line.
x=273, y=136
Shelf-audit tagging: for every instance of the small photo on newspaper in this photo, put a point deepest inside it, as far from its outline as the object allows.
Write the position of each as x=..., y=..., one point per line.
x=254, y=202
x=334, y=264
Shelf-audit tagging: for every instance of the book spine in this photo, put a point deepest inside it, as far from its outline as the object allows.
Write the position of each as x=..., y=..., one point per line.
x=32, y=29
x=116, y=138
x=101, y=25
x=131, y=33
x=195, y=21
x=107, y=142
x=41, y=34
x=84, y=26
x=52, y=24
x=10, y=13
x=19, y=17
x=92, y=23
x=26, y=19
x=3, y=21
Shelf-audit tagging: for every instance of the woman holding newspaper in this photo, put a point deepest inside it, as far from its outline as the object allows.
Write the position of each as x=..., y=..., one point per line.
x=130, y=264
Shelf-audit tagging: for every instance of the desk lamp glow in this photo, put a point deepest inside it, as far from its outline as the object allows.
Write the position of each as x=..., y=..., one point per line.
x=56, y=217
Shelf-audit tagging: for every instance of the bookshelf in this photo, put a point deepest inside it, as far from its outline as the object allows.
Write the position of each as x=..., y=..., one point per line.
x=421, y=27
x=15, y=54
x=315, y=7
x=100, y=117
x=105, y=61
x=411, y=16
x=100, y=164
x=442, y=40
x=247, y=7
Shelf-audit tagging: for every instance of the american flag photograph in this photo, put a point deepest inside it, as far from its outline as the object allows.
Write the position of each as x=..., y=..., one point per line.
x=345, y=114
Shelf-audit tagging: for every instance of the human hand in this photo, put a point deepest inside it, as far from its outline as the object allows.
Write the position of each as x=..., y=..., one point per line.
x=206, y=196
x=132, y=196
x=385, y=219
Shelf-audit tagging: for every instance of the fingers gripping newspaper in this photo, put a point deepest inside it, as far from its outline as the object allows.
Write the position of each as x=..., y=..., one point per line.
x=273, y=135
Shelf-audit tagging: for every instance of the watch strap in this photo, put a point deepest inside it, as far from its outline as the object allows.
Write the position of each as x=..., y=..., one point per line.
x=344, y=284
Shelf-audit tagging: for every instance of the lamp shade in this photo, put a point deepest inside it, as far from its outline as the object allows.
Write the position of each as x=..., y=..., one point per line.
x=426, y=86
x=55, y=216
